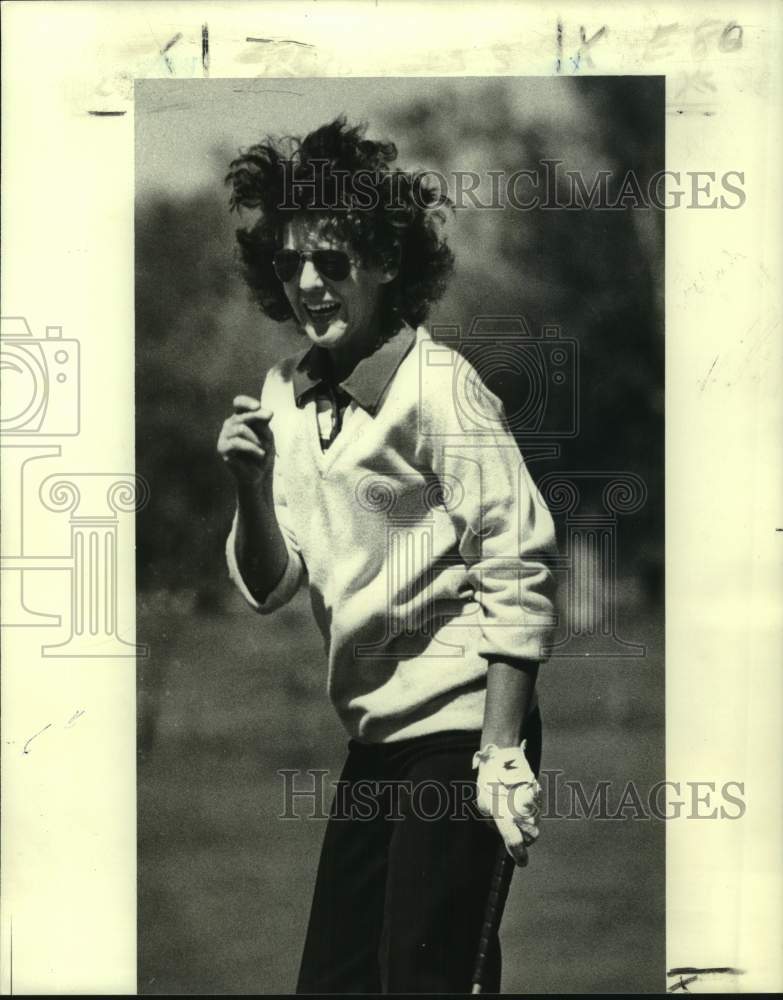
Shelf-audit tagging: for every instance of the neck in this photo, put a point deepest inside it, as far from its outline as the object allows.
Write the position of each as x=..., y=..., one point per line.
x=343, y=359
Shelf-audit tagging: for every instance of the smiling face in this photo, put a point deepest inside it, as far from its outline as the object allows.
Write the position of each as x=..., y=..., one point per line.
x=341, y=316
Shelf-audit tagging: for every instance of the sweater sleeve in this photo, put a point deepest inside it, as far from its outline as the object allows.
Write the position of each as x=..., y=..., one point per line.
x=505, y=531
x=295, y=569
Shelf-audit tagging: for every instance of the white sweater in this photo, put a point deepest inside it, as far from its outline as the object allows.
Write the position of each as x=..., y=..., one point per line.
x=423, y=538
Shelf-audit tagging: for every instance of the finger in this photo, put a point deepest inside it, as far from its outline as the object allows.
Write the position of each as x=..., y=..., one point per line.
x=258, y=412
x=515, y=845
x=518, y=828
x=236, y=432
x=509, y=831
x=240, y=448
x=523, y=802
x=257, y=418
x=244, y=433
x=530, y=833
x=243, y=402
x=527, y=824
x=519, y=854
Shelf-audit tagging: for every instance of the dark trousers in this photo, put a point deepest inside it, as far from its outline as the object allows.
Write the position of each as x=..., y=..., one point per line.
x=405, y=871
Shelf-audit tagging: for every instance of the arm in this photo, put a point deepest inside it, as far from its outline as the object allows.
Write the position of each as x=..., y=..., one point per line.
x=259, y=546
x=263, y=555
x=503, y=529
x=506, y=538
x=510, y=687
x=507, y=789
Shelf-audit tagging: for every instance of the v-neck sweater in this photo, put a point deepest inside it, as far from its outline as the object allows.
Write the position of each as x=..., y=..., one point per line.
x=425, y=544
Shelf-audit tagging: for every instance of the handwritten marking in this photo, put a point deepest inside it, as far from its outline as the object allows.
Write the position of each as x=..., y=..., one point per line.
x=279, y=41
x=68, y=725
x=659, y=41
x=107, y=114
x=205, y=48
x=704, y=37
x=686, y=970
x=682, y=984
x=693, y=975
x=587, y=44
x=703, y=34
x=165, y=49
x=34, y=736
x=704, y=383
x=727, y=44
x=583, y=52
x=171, y=43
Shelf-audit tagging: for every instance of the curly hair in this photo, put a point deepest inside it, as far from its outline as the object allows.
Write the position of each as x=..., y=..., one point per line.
x=380, y=211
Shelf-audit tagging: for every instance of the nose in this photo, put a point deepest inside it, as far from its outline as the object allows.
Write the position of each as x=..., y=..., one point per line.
x=309, y=278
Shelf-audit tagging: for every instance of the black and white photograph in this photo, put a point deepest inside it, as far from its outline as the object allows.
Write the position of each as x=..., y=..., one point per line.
x=389, y=432
x=399, y=397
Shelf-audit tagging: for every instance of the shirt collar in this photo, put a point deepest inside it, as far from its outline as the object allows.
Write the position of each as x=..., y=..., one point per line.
x=369, y=379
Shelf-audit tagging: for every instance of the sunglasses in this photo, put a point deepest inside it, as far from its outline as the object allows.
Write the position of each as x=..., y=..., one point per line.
x=334, y=265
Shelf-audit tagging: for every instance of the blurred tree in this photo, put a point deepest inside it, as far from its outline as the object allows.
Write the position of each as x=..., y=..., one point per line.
x=595, y=274
x=199, y=342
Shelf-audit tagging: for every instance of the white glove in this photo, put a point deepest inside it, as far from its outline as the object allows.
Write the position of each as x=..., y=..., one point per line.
x=509, y=793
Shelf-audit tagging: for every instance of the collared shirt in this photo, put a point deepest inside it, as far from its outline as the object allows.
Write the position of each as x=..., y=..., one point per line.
x=425, y=544
x=312, y=375
x=368, y=380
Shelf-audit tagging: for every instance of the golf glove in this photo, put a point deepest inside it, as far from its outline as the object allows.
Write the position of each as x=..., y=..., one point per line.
x=508, y=792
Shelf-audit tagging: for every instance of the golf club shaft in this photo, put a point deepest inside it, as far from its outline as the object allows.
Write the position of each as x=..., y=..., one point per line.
x=493, y=914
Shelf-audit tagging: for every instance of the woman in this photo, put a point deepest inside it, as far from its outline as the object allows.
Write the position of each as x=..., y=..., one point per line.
x=425, y=549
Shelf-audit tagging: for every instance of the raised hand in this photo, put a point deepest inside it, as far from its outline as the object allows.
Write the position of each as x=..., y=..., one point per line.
x=246, y=443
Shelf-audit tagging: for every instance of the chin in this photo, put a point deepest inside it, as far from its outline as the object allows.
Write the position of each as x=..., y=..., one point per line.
x=332, y=336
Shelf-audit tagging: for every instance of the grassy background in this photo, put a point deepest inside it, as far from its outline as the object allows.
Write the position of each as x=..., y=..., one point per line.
x=224, y=885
